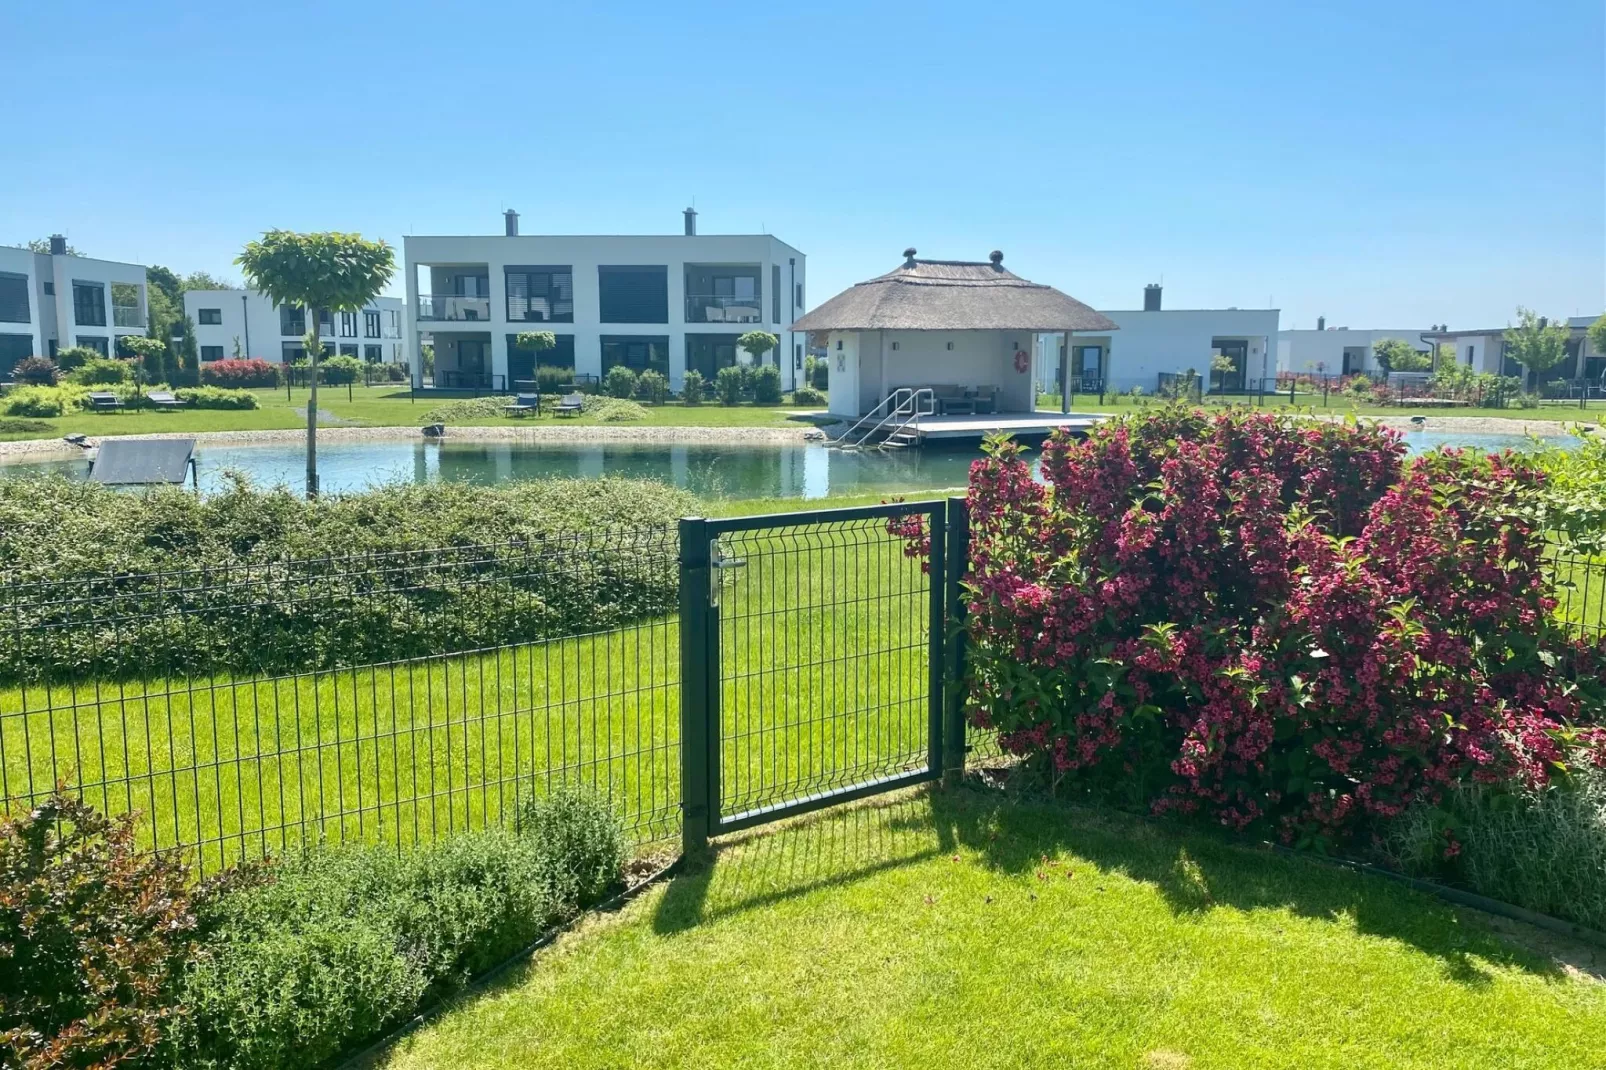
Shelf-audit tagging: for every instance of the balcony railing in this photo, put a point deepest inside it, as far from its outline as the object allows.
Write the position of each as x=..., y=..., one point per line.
x=128, y=316
x=709, y=308
x=449, y=307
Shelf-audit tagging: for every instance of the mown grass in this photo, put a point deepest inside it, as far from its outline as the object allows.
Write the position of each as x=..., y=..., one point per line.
x=824, y=669
x=949, y=929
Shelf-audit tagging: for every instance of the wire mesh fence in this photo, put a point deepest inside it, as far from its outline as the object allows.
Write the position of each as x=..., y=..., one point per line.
x=396, y=697
x=1578, y=583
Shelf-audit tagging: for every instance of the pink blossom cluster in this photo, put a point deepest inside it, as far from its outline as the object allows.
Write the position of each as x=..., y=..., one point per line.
x=1277, y=625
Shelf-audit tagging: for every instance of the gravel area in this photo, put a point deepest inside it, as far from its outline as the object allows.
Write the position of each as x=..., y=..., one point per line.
x=1472, y=425
x=756, y=436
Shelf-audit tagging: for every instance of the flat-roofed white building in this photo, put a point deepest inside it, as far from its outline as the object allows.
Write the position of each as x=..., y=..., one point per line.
x=244, y=323
x=1341, y=350
x=52, y=301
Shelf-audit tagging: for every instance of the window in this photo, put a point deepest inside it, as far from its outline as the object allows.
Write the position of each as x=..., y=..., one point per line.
x=348, y=350
x=1470, y=351
x=94, y=342
x=798, y=298
x=50, y=289
x=292, y=321
x=392, y=323
x=636, y=352
x=89, y=304
x=775, y=292
x=348, y=325
x=14, y=347
x=373, y=354
x=797, y=355
x=291, y=352
x=707, y=353
x=370, y=324
x=211, y=352
x=521, y=363
x=633, y=294
x=541, y=294
x=13, y=298
x=209, y=316
x=326, y=323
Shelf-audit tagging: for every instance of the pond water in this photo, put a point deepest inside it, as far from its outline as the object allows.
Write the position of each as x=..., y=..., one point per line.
x=802, y=471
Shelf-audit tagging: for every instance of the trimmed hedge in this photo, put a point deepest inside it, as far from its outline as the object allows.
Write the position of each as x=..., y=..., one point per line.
x=240, y=374
x=217, y=397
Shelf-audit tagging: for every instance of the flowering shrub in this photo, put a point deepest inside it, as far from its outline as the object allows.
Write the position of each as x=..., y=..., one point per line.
x=240, y=374
x=1277, y=625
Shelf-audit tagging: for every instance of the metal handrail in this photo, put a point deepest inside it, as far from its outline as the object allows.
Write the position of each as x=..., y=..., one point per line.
x=898, y=399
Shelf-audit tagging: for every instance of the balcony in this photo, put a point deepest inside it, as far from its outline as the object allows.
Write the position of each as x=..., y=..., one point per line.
x=450, y=308
x=128, y=316
x=712, y=308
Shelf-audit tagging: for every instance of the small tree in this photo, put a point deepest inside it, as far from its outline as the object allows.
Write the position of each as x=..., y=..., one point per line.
x=149, y=352
x=1536, y=343
x=188, y=370
x=693, y=387
x=320, y=272
x=1597, y=334
x=758, y=343
x=1394, y=355
x=728, y=386
x=537, y=342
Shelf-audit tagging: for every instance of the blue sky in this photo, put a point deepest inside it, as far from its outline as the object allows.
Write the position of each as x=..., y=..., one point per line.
x=1383, y=164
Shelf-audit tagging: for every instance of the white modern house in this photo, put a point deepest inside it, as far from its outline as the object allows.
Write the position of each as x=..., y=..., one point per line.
x=51, y=301
x=244, y=323
x=1340, y=350
x=1485, y=350
x=666, y=302
x=963, y=330
x=1156, y=341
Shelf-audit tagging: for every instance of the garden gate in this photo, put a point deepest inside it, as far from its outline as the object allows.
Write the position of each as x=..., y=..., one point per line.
x=811, y=661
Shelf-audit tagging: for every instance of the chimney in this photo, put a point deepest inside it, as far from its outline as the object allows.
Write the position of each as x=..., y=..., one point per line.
x=58, y=245
x=1151, y=297
x=510, y=219
x=1321, y=323
x=691, y=222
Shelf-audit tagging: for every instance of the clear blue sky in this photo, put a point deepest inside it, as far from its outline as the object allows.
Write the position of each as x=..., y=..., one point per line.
x=1385, y=164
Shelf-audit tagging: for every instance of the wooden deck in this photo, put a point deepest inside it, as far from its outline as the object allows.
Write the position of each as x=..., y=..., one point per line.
x=1016, y=423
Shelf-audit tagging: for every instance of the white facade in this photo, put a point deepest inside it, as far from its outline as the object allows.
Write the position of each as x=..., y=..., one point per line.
x=52, y=301
x=1170, y=342
x=1340, y=351
x=664, y=301
x=866, y=366
x=1484, y=350
x=244, y=323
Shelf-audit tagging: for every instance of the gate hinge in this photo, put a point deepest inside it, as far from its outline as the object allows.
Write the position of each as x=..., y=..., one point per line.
x=721, y=563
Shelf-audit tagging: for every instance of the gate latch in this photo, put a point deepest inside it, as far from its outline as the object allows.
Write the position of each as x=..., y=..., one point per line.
x=722, y=563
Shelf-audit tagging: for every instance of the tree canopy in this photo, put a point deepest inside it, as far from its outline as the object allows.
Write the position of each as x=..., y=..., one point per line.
x=1396, y=355
x=42, y=245
x=540, y=341
x=758, y=343
x=1597, y=334
x=328, y=272
x=1536, y=343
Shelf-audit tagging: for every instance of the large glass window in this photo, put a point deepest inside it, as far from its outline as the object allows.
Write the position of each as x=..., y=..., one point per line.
x=292, y=321
x=775, y=293
x=96, y=342
x=373, y=354
x=370, y=324
x=211, y=352
x=348, y=325
x=521, y=363
x=638, y=352
x=291, y=352
x=89, y=304
x=14, y=347
x=206, y=316
x=633, y=294
x=707, y=353
x=541, y=294
x=13, y=298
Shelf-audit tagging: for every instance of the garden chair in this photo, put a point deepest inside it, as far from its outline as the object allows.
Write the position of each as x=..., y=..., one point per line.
x=164, y=399
x=987, y=399
x=570, y=405
x=104, y=401
x=523, y=405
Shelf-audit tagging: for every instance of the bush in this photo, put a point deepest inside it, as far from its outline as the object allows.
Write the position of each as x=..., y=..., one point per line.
x=396, y=373
x=652, y=387
x=620, y=382
x=818, y=372
x=807, y=395
x=14, y=425
x=43, y=401
x=216, y=397
x=338, y=944
x=1544, y=849
x=728, y=385
x=102, y=372
x=1272, y=624
x=37, y=371
x=338, y=371
x=693, y=387
x=76, y=357
x=551, y=379
x=94, y=936
x=327, y=612
x=766, y=385
x=240, y=374
x=615, y=410
x=466, y=411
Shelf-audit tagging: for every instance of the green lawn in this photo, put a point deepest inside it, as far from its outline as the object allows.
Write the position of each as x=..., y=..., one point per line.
x=1312, y=404
x=949, y=929
x=378, y=406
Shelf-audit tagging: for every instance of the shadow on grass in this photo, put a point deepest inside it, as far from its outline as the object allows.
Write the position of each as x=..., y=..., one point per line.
x=1194, y=871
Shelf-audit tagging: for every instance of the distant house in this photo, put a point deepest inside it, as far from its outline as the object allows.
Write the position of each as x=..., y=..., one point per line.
x=52, y=301
x=958, y=325
x=1340, y=350
x=1486, y=350
x=250, y=324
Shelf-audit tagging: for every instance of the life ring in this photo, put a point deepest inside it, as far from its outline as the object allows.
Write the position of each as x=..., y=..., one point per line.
x=1022, y=361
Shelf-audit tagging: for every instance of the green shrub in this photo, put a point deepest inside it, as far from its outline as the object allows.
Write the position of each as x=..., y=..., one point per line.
x=36, y=371
x=338, y=371
x=820, y=375
x=1544, y=849
x=728, y=385
x=102, y=372
x=766, y=385
x=327, y=612
x=620, y=382
x=94, y=937
x=43, y=401
x=466, y=412
x=807, y=395
x=652, y=387
x=338, y=944
x=615, y=410
x=17, y=425
x=76, y=357
x=552, y=379
x=217, y=397
x=693, y=387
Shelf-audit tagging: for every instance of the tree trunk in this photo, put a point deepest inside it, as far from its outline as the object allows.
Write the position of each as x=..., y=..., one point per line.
x=314, y=350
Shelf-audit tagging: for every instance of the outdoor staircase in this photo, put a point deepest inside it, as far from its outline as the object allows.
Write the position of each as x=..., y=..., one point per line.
x=893, y=424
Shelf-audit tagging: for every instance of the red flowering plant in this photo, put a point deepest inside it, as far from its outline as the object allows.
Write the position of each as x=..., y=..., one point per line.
x=1278, y=625
x=240, y=374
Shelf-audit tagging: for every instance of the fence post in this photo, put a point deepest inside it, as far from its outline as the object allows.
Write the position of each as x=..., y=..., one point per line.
x=956, y=562
x=936, y=641
x=695, y=664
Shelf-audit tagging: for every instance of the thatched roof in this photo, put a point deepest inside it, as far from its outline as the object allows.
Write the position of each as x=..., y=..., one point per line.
x=953, y=295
